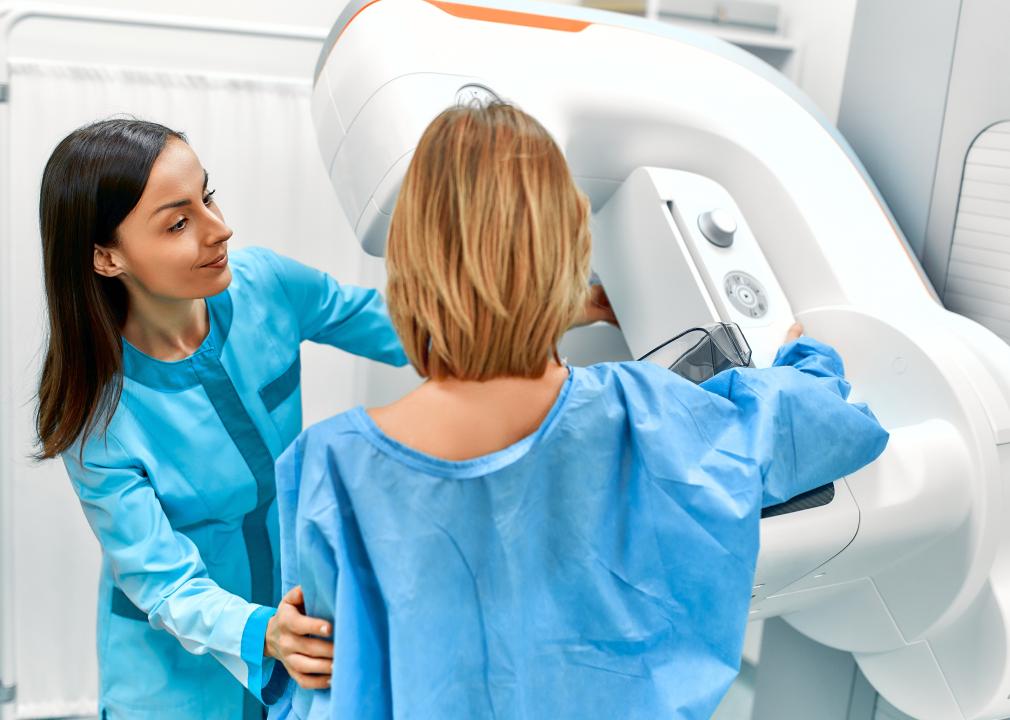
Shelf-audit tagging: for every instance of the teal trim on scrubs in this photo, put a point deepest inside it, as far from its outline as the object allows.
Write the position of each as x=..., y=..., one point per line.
x=273, y=683
x=122, y=607
x=250, y=444
x=180, y=493
x=599, y=568
x=276, y=392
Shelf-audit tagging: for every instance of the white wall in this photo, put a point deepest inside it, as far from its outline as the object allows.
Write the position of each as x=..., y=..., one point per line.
x=316, y=13
x=821, y=30
x=320, y=13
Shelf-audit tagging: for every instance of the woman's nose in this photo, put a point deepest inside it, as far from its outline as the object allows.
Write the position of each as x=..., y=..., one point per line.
x=218, y=232
x=224, y=234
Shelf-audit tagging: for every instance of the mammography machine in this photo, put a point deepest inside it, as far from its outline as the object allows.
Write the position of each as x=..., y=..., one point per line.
x=720, y=194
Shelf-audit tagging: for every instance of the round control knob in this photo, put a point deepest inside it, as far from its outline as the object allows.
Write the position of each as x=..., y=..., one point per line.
x=718, y=226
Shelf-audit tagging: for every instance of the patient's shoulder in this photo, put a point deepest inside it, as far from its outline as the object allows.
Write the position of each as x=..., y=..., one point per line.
x=635, y=376
x=650, y=397
x=334, y=431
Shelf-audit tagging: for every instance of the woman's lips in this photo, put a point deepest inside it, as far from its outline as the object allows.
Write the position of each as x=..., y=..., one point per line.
x=218, y=263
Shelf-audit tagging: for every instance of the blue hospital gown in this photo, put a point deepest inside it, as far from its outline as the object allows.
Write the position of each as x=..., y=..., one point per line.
x=599, y=568
x=180, y=493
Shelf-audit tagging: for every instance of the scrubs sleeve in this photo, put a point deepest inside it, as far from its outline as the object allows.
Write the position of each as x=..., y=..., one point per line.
x=160, y=570
x=792, y=423
x=351, y=318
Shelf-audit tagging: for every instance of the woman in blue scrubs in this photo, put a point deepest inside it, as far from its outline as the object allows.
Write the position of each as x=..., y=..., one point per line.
x=170, y=385
x=521, y=539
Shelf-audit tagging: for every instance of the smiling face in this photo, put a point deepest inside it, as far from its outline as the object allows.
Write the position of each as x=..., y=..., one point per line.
x=174, y=244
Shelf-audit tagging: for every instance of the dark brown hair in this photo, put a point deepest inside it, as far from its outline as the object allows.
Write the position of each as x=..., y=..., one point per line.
x=93, y=179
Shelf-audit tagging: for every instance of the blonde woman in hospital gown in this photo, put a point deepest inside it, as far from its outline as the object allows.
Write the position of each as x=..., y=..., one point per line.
x=518, y=538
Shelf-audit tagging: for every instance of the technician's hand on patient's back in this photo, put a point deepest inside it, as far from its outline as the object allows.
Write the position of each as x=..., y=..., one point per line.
x=294, y=639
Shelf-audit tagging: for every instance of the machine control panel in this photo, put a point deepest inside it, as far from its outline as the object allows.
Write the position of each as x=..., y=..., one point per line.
x=747, y=294
x=675, y=252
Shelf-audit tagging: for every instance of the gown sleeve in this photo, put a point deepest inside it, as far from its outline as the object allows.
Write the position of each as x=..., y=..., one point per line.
x=351, y=318
x=792, y=422
x=160, y=570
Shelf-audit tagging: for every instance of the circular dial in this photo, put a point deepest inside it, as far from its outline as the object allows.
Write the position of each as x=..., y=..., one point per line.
x=747, y=294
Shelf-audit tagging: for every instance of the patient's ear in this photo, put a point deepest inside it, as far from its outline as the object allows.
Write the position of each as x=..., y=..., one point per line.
x=107, y=262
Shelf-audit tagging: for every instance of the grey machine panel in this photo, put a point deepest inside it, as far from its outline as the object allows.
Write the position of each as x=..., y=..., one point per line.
x=894, y=98
x=978, y=268
x=926, y=105
x=978, y=101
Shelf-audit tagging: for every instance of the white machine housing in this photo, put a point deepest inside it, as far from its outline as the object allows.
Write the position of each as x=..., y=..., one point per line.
x=906, y=566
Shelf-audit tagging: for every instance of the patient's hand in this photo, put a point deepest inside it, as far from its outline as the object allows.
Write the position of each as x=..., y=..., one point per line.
x=794, y=332
x=597, y=308
x=308, y=659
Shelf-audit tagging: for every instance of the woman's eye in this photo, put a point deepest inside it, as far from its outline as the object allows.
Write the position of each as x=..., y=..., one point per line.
x=209, y=197
x=178, y=226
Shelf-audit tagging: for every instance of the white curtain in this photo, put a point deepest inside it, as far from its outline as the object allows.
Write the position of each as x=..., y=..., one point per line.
x=256, y=139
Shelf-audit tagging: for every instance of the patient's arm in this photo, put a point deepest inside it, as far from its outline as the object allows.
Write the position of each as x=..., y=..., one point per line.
x=597, y=308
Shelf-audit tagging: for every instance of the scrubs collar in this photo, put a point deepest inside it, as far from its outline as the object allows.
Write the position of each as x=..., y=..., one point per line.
x=178, y=375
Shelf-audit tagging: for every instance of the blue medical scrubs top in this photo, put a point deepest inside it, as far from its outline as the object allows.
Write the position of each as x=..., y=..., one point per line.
x=180, y=493
x=600, y=568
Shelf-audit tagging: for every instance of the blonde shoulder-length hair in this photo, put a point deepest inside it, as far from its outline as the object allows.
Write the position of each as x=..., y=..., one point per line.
x=489, y=247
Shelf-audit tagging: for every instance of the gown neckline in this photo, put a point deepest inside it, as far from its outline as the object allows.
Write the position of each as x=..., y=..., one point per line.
x=471, y=467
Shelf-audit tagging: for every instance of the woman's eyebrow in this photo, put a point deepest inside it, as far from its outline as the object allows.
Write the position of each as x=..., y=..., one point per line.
x=181, y=203
x=169, y=206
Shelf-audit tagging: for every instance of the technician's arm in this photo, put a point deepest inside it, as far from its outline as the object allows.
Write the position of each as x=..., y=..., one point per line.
x=348, y=317
x=161, y=572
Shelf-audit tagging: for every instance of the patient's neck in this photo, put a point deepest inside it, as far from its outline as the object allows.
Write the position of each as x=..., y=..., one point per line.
x=463, y=419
